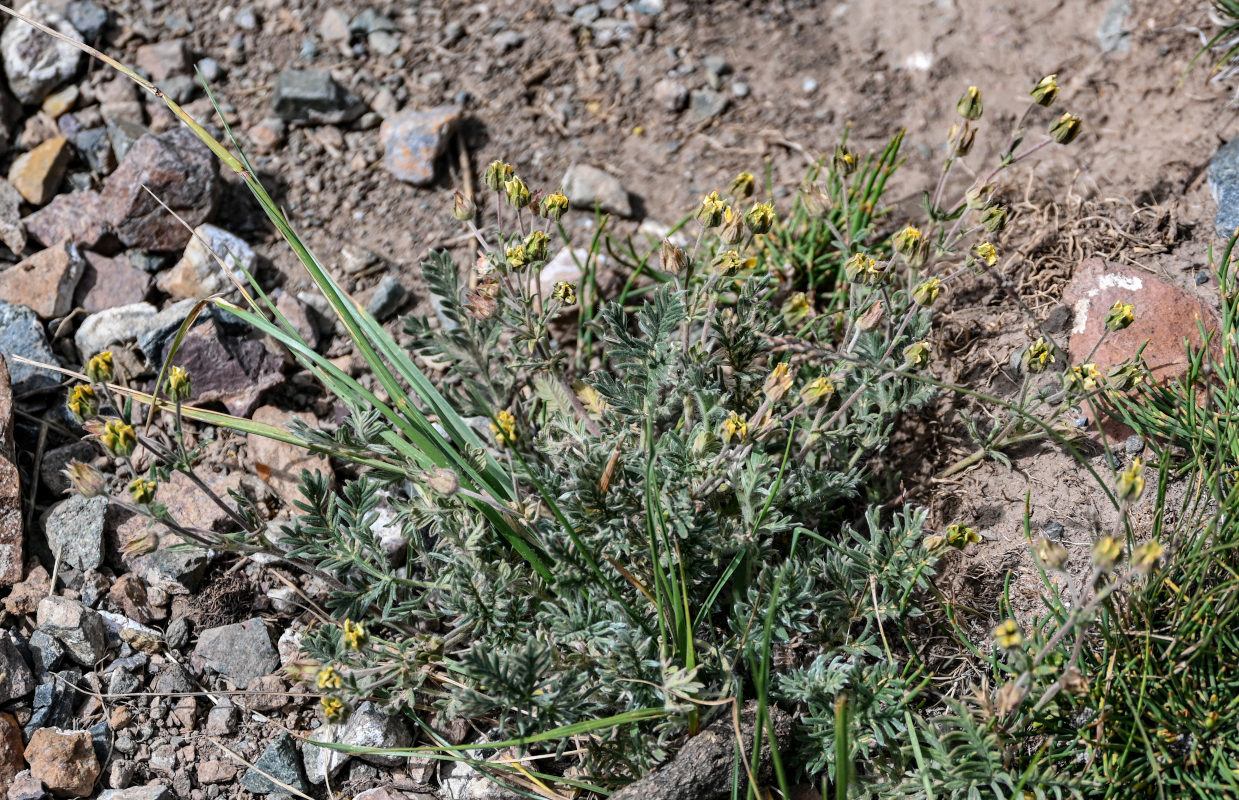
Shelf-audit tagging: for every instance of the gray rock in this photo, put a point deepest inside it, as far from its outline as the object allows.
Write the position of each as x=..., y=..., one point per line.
x=717, y=65
x=26, y=787
x=334, y=25
x=221, y=720
x=671, y=95
x=88, y=18
x=1224, y=183
x=147, y=792
x=75, y=626
x=210, y=70
x=53, y=701
x=48, y=654
x=1053, y=531
x=383, y=43
x=16, y=679
x=12, y=231
x=508, y=40
x=34, y=62
x=122, y=133
x=369, y=726
x=706, y=104
x=241, y=652
x=100, y=331
x=324, y=762
x=280, y=761
x=177, y=633
x=370, y=21
x=1113, y=34
x=119, y=628
x=313, y=97
x=95, y=146
x=21, y=334
x=74, y=529
x=587, y=13
x=414, y=140
x=181, y=88
x=650, y=8
x=198, y=274
x=246, y=19
x=388, y=296
x=588, y=186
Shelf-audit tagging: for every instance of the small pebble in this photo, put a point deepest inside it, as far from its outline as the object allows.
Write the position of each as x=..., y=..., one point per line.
x=1134, y=445
x=1202, y=278
x=808, y=86
x=1053, y=531
x=740, y=89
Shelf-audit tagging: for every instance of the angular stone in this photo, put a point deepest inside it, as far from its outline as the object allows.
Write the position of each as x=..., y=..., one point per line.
x=12, y=231
x=180, y=171
x=26, y=787
x=88, y=18
x=216, y=771
x=370, y=726
x=64, y=760
x=671, y=95
x=388, y=295
x=588, y=186
x=414, y=140
x=12, y=761
x=21, y=334
x=12, y=549
x=34, y=62
x=51, y=469
x=322, y=763
x=110, y=283
x=706, y=104
x=279, y=761
x=74, y=529
x=147, y=792
x=334, y=25
x=104, y=329
x=77, y=627
x=227, y=369
x=95, y=147
x=37, y=173
x=16, y=679
x=54, y=701
x=161, y=60
x=279, y=463
x=75, y=217
x=313, y=97
x=25, y=596
x=1165, y=315
x=122, y=127
x=241, y=652
x=59, y=103
x=199, y=275
x=46, y=281
x=1224, y=183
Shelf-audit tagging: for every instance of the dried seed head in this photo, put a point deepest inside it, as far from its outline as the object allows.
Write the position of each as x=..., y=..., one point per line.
x=732, y=230
x=673, y=258
x=86, y=480
x=1050, y=555
x=442, y=481
x=816, y=202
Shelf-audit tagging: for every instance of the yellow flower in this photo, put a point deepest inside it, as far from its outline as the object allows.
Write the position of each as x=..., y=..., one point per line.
x=504, y=428
x=1045, y=91
x=118, y=438
x=1050, y=555
x=554, y=205
x=1120, y=316
x=796, y=308
x=986, y=252
x=1131, y=481
x=960, y=536
x=517, y=256
x=496, y=174
x=1038, y=356
x=99, y=368
x=711, y=212
x=1106, y=552
x=970, y=106
x=816, y=391
x=1085, y=378
x=743, y=185
x=565, y=293
x=734, y=427
x=729, y=262
x=1146, y=556
x=1065, y=128
x=333, y=709
x=517, y=192
x=1007, y=635
x=354, y=634
x=917, y=355
x=926, y=293
x=778, y=382
x=760, y=218
x=142, y=491
x=83, y=402
x=328, y=678
x=907, y=241
x=179, y=387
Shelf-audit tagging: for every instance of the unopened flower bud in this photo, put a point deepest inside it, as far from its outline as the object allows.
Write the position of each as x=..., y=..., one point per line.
x=442, y=481
x=1050, y=555
x=537, y=243
x=565, y=293
x=760, y=218
x=743, y=185
x=554, y=205
x=710, y=214
x=1131, y=482
x=497, y=173
x=673, y=258
x=969, y=106
x=517, y=192
x=994, y=219
x=844, y=162
x=917, y=355
x=1107, y=551
x=1065, y=128
x=1120, y=316
x=1045, y=91
x=463, y=207
x=1038, y=357
x=963, y=139
x=86, y=480
x=142, y=491
x=99, y=368
x=179, y=387
x=83, y=402
x=926, y=292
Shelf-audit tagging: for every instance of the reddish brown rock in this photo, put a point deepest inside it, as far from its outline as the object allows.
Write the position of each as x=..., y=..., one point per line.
x=37, y=173
x=228, y=369
x=280, y=463
x=412, y=140
x=25, y=596
x=216, y=771
x=1165, y=316
x=162, y=60
x=12, y=558
x=45, y=282
x=110, y=283
x=11, y=759
x=129, y=595
x=76, y=217
x=180, y=171
x=64, y=760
